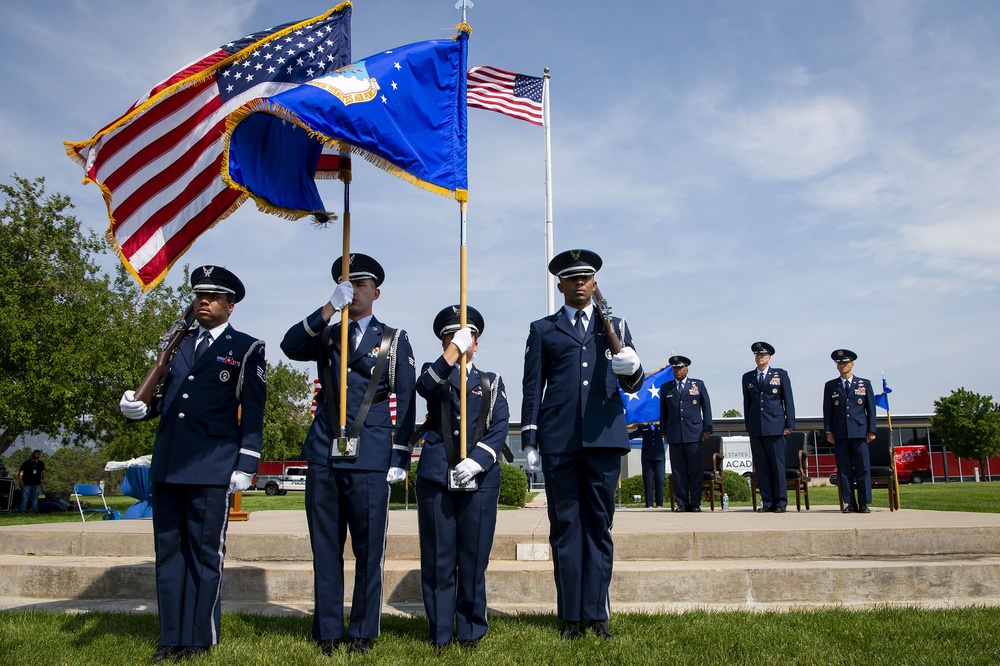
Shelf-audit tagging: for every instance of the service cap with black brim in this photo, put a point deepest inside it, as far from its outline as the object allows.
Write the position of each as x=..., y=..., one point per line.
x=762, y=348
x=217, y=280
x=575, y=262
x=361, y=266
x=843, y=356
x=447, y=321
x=679, y=361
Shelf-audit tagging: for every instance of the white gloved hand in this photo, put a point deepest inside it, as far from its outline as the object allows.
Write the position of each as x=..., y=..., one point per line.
x=532, y=459
x=395, y=474
x=462, y=339
x=240, y=481
x=132, y=408
x=466, y=469
x=626, y=362
x=342, y=295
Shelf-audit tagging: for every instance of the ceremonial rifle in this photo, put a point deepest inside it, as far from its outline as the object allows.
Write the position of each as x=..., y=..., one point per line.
x=609, y=326
x=168, y=344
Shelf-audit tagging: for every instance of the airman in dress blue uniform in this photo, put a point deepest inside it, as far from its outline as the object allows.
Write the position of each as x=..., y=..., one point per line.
x=573, y=429
x=769, y=415
x=207, y=446
x=457, y=514
x=347, y=488
x=849, y=422
x=686, y=422
x=654, y=462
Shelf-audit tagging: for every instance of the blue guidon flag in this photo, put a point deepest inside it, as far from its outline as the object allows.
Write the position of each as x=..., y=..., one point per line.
x=643, y=406
x=403, y=110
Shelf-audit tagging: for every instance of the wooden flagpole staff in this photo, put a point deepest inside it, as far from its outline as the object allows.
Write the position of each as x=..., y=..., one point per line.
x=345, y=275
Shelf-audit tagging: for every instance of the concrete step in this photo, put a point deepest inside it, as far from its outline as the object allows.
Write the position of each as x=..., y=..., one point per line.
x=649, y=585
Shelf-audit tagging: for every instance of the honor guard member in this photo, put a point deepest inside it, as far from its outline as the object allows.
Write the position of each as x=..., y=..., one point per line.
x=457, y=498
x=686, y=421
x=769, y=415
x=573, y=430
x=849, y=421
x=211, y=410
x=654, y=462
x=347, y=481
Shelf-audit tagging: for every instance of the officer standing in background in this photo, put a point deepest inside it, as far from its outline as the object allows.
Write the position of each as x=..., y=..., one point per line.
x=347, y=481
x=654, y=462
x=207, y=447
x=769, y=415
x=457, y=522
x=686, y=420
x=31, y=476
x=849, y=422
x=573, y=429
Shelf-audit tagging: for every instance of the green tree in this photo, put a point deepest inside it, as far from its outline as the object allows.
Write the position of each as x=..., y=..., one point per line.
x=286, y=412
x=969, y=424
x=732, y=413
x=72, y=338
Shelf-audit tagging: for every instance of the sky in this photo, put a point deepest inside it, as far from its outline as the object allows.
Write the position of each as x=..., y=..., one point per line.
x=818, y=175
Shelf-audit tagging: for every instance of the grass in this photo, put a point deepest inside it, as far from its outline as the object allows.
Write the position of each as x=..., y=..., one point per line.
x=983, y=497
x=966, y=636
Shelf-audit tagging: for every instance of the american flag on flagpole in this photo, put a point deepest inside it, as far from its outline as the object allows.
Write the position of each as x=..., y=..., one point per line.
x=514, y=95
x=159, y=165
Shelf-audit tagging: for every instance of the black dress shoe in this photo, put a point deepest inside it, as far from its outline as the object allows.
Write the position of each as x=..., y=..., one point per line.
x=679, y=509
x=600, y=628
x=469, y=643
x=330, y=645
x=780, y=509
x=695, y=509
x=573, y=631
x=167, y=652
x=361, y=645
x=864, y=509
x=848, y=509
x=438, y=648
x=765, y=509
x=192, y=651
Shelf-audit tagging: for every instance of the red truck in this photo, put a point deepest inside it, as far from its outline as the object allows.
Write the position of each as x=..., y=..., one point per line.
x=913, y=464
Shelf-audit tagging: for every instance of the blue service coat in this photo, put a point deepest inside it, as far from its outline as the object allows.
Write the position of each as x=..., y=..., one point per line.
x=683, y=418
x=768, y=410
x=564, y=378
x=850, y=415
x=438, y=381
x=203, y=434
x=378, y=452
x=652, y=442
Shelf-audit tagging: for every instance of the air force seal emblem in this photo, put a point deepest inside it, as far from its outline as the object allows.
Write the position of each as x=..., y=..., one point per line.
x=350, y=84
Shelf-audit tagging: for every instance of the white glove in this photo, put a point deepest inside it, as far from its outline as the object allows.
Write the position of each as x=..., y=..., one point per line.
x=240, y=481
x=342, y=295
x=626, y=362
x=466, y=469
x=132, y=408
x=395, y=475
x=463, y=340
x=532, y=459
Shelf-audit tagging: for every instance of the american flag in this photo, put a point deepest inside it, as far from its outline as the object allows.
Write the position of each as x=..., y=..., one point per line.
x=159, y=164
x=515, y=95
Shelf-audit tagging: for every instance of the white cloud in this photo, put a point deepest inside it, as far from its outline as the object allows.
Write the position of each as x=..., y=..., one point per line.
x=792, y=140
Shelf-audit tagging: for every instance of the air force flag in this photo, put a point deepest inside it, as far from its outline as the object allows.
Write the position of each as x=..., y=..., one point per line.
x=403, y=110
x=644, y=405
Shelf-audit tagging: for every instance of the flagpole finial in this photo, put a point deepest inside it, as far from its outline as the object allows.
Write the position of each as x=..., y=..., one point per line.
x=464, y=5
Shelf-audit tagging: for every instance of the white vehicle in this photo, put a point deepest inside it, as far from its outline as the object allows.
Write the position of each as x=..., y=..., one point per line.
x=293, y=478
x=737, y=452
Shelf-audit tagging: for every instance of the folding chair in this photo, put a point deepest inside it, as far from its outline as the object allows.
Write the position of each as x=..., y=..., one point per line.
x=81, y=490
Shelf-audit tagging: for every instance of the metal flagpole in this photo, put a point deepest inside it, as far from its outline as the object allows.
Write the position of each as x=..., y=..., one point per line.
x=550, y=287
x=464, y=5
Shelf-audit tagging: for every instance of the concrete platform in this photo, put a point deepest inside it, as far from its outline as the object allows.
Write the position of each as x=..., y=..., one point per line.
x=664, y=562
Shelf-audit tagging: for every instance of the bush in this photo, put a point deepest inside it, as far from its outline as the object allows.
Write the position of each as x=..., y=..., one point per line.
x=633, y=486
x=513, y=486
x=736, y=487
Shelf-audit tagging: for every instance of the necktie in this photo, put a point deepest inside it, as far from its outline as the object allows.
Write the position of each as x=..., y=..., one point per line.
x=847, y=387
x=352, y=336
x=760, y=378
x=580, y=328
x=206, y=341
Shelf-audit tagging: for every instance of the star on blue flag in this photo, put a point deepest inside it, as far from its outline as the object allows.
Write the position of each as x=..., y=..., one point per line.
x=643, y=406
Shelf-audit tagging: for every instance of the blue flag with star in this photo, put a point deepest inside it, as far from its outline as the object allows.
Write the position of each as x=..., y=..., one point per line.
x=643, y=406
x=403, y=110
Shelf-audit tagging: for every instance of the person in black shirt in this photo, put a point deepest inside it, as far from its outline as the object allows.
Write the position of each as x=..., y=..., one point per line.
x=31, y=477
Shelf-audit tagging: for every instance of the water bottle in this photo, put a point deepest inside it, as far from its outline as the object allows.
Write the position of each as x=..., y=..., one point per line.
x=725, y=501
